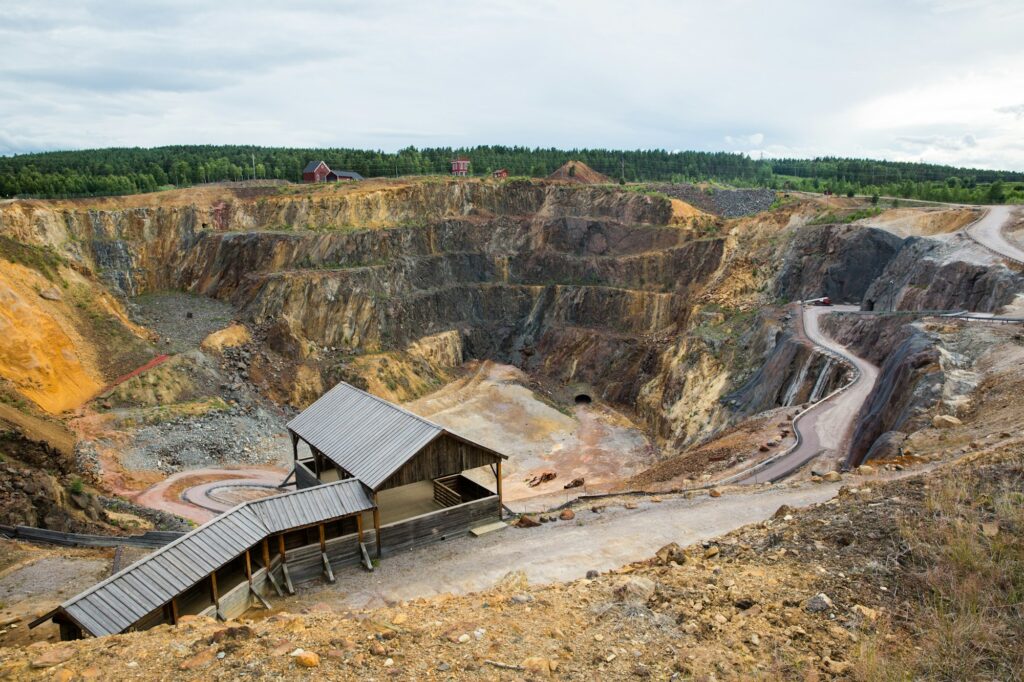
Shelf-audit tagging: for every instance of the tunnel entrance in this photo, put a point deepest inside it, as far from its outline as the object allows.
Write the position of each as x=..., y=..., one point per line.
x=583, y=399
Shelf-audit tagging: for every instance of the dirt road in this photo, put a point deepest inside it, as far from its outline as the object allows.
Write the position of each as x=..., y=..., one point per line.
x=989, y=233
x=553, y=552
x=825, y=427
x=167, y=495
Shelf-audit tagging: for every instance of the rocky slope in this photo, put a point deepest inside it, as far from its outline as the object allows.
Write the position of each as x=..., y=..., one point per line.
x=847, y=589
x=390, y=284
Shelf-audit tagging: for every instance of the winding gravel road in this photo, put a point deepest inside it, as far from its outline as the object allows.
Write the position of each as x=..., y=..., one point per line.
x=826, y=426
x=988, y=232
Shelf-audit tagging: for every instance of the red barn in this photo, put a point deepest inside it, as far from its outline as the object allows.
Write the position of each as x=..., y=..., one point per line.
x=500, y=173
x=315, y=171
x=460, y=166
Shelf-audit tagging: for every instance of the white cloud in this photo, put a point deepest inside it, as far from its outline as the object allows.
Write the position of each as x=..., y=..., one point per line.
x=877, y=81
x=754, y=139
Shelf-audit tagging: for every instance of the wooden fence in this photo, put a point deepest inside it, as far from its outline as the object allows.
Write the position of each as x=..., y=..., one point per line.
x=151, y=539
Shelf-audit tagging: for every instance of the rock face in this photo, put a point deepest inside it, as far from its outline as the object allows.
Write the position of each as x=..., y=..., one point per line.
x=838, y=261
x=926, y=276
x=910, y=379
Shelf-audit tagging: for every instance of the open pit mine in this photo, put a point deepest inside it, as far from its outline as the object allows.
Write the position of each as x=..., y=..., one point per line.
x=500, y=428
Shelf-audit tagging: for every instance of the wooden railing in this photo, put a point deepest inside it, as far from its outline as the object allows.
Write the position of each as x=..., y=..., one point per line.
x=445, y=493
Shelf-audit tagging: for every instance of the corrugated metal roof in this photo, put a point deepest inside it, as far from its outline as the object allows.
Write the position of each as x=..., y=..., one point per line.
x=312, y=166
x=116, y=603
x=367, y=436
x=346, y=174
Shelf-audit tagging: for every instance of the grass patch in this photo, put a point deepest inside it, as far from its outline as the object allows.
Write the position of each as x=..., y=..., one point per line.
x=830, y=217
x=42, y=259
x=964, y=560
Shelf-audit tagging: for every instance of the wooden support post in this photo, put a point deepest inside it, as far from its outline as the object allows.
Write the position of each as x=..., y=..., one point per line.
x=213, y=591
x=376, y=523
x=323, y=540
x=280, y=547
x=266, y=553
x=248, y=567
x=359, y=526
x=501, y=505
x=174, y=610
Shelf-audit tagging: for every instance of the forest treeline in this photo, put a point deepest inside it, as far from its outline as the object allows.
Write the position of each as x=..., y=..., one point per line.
x=96, y=172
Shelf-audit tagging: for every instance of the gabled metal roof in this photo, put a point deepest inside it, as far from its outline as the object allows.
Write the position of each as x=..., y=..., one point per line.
x=367, y=436
x=352, y=175
x=312, y=166
x=115, y=604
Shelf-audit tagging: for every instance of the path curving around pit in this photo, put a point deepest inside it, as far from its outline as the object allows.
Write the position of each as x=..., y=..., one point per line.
x=201, y=494
x=826, y=425
x=988, y=231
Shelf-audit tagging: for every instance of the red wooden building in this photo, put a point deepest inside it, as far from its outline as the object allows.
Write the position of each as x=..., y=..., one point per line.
x=318, y=171
x=500, y=173
x=460, y=166
x=315, y=171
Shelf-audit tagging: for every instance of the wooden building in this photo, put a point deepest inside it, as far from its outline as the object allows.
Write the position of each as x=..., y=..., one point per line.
x=460, y=166
x=501, y=173
x=336, y=175
x=216, y=568
x=414, y=468
x=375, y=475
x=315, y=171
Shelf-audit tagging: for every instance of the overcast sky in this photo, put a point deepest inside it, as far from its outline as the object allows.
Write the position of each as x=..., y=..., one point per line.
x=933, y=80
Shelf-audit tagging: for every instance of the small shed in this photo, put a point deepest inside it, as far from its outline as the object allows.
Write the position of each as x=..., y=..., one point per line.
x=412, y=466
x=500, y=173
x=315, y=171
x=460, y=166
x=336, y=175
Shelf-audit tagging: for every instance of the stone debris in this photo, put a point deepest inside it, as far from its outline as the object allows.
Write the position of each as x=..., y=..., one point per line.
x=542, y=477
x=818, y=603
x=945, y=421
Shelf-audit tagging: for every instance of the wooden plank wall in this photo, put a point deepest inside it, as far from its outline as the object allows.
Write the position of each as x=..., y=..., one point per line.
x=443, y=524
x=304, y=478
x=151, y=539
x=442, y=457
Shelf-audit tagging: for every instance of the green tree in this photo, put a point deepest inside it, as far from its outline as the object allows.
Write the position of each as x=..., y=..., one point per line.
x=996, y=194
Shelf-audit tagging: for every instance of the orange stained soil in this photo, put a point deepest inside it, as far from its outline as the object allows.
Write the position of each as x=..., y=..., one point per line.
x=40, y=350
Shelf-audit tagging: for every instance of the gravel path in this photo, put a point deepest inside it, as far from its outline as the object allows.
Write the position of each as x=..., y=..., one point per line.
x=553, y=552
x=989, y=232
x=825, y=427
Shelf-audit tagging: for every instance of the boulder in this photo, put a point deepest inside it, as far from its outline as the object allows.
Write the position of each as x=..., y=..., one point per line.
x=886, y=446
x=526, y=522
x=635, y=588
x=818, y=603
x=574, y=483
x=50, y=294
x=715, y=492
x=832, y=477
x=865, y=470
x=53, y=657
x=567, y=515
x=671, y=552
x=307, y=659
x=945, y=421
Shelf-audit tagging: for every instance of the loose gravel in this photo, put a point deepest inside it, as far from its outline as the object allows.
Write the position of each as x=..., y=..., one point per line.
x=727, y=203
x=241, y=435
